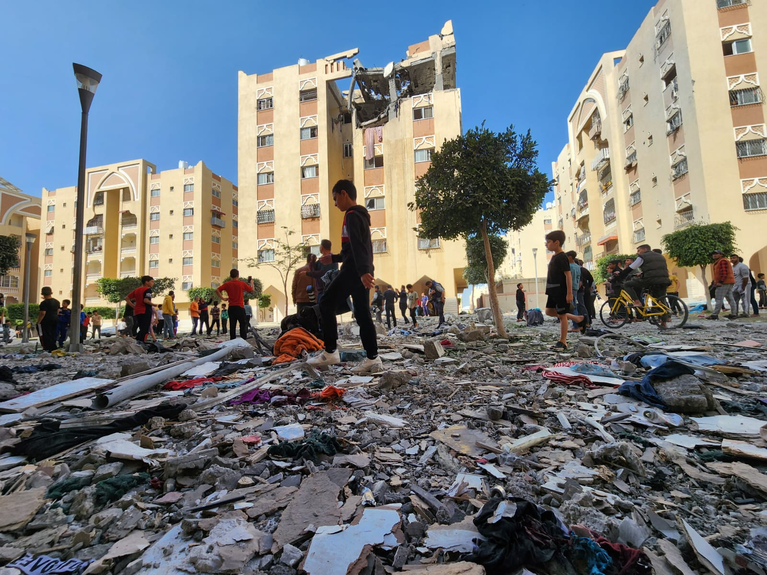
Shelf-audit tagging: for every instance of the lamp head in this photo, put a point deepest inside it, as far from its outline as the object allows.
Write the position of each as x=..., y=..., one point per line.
x=87, y=82
x=31, y=238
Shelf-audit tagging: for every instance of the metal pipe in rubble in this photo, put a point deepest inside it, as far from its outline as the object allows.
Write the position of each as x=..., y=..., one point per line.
x=143, y=383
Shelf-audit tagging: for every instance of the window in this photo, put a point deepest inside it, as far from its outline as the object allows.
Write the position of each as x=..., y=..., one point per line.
x=154, y=217
x=308, y=95
x=51, y=209
x=755, y=201
x=635, y=198
x=348, y=150
x=679, y=169
x=265, y=104
x=155, y=192
x=664, y=34
x=98, y=199
x=426, y=244
x=48, y=251
x=48, y=273
x=215, y=263
x=639, y=235
x=188, y=212
x=235, y=224
x=422, y=156
x=628, y=122
x=188, y=187
x=379, y=246
x=170, y=236
x=310, y=171
x=265, y=141
x=375, y=204
x=737, y=47
x=649, y=140
x=265, y=178
x=547, y=222
x=609, y=212
x=728, y=3
x=215, y=239
x=235, y=203
x=310, y=211
x=265, y=256
x=188, y=236
x=309, y=133
x=154, y=240
x=265, y=216
x=347, y=117
x=186, y=286
x=674, y=123
x=623, y=87
x=170, y=212
x=423, y=113
x=154, y=264
x=235, y=246
x=216, y=193
x=746, y=97
x=376, y=162
x=750, y=148
x=188, y=261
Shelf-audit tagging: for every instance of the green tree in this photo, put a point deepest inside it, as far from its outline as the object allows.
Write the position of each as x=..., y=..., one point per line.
x=476, y=272
x=692, y=246
x=205, y=293
x=264, y=301
x=9, y=253
x=287, y=258
x=600, y=273
x=481, y=183
x=115, y=290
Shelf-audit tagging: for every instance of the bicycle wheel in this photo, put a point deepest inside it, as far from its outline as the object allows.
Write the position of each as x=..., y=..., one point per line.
x=679, y=312
x=614, y=319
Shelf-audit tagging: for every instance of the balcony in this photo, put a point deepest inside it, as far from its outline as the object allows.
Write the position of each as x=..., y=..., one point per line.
x=583, y=240
x=583, y=211
x=128, y=250
x=606, y=187
x=89, y=301
x=128, y=273
x=94, y=231
x=427, y=244
x=683, y=219
x=609, y=217
x=596, y=130
x=601, y=159
x=217, y=222
x=128, y=223
x=631, y=160
x=92, y=277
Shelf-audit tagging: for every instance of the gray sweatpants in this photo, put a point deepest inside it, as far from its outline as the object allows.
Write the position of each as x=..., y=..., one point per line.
x=724, y=291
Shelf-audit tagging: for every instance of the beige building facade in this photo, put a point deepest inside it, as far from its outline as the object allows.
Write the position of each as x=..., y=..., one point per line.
x=19, y=216
x=671, y=132
x=179, y=223
x=527, y=247
x=298, y=133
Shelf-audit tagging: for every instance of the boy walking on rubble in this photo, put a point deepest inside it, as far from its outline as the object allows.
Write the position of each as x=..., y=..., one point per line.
x=559, y=287
x=354, y=279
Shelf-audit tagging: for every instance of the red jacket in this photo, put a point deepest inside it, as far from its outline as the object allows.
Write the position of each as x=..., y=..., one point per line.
x=723, y=272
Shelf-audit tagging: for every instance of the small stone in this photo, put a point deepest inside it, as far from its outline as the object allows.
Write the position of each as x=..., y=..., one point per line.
x=107, y=471
x=133, y=368
x=494, y=412
x=433, y=349
x=187, y=415
x=291, y=556
x=393, y=379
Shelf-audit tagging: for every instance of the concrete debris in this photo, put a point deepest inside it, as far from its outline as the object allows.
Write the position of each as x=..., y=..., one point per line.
x=330, y=472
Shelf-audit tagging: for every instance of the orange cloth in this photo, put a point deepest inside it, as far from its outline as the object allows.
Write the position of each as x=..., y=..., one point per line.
x=194, y=309
x=332, y=392
x=291, y=345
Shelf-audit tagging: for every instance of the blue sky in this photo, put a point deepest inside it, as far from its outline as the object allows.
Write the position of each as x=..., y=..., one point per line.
x=169, y=90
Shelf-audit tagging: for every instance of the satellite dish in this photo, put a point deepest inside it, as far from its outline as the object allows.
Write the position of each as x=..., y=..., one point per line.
x=388, y=69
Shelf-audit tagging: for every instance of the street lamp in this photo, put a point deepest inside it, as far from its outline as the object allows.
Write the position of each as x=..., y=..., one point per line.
x=535, y=263
x=27, y=272
x=87, y=82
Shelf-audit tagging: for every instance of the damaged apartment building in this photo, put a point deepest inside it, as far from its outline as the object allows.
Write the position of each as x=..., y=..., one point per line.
x=303, y=127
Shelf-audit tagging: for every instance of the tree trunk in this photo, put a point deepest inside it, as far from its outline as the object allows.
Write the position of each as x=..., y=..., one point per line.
x=495, y=305
x=285, y=289
x=705, y=285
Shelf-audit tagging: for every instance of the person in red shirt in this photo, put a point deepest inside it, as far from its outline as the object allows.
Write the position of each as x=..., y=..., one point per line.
x=235, y=288
x=140, y=300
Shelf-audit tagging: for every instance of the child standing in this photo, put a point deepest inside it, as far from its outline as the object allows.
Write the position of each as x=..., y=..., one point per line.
x=63, y=324
x=559, y=287
x=224, y=317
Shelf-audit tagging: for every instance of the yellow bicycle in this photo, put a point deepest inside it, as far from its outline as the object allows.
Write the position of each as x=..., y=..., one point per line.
x=616, y=312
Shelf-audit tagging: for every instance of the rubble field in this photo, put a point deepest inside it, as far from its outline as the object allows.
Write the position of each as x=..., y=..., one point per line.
x=634, y=452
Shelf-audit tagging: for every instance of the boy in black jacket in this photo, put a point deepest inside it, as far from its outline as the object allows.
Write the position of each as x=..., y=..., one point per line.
x=354, y=279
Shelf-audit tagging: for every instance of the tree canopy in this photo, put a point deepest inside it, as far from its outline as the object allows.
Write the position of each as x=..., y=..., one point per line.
x=116, y=290
x=692, y=246
x=207, y=293
x=9, y=253
x=600, y=272
x=476, y=271
x=481, y=183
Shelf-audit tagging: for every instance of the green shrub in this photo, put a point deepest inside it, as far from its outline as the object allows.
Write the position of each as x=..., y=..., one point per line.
x=600, y=273
x=106, y=312
x=15, y=311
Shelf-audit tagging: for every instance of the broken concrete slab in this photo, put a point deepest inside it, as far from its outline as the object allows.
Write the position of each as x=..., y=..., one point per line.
x=685, y=394
x=19, y=508
x=465, y=440
x=458, y=537
x=433, y=350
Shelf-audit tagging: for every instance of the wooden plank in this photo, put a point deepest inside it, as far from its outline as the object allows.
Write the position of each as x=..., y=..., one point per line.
x=54, y=393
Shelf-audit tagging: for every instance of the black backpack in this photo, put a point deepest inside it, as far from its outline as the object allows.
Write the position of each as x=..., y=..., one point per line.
x=308, y=318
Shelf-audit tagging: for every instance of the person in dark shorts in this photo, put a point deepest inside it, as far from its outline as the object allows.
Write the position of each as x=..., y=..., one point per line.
x=559, y=287
x=47, y=319
x=520, y=303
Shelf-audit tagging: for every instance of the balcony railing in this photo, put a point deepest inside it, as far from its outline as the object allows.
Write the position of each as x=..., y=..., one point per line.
x=127, y=273
x=679, y=169
x=609, y=217
x=92, y=300
x=265, y=216
x=310, y=211
x=582, y=240
x=427, y=244
x=727, y=3
x=602, y=157
x=128, y=250
x=94, y=230
x=596, y=130
x=746, y=96
x=217, y=222
x=129, y=223
x=582, y=212
x=683, y=219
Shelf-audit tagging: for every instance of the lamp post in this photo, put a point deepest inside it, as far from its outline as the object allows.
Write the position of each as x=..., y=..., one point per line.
x=535, y=263
x=87, y=82
x=27, y=272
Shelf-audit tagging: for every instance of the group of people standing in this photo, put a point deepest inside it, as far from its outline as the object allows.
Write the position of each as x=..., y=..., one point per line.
x=408, y=300
x=54, y=321
x=734, y=282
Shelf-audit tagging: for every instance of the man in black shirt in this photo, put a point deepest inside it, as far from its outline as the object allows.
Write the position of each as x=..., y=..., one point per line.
x=378, y=303
x=587, y=283
x=47, y=319
x=520, y=303
x=559, y=287
x=403, y=303
x=390, y=296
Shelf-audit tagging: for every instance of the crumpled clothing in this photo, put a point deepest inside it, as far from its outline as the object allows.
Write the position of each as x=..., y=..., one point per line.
x=644, y=390
x=227, y=368
x=115, y=487
x=36, y=368
x=6, y=374
x=274, y=397
x=593, y=369
x=44, y=565
x=61, y=488
x=47, y=439
x=309, y=448
x=590, y=556
x=557, y=377
x=294, y=343
x=332, y=392
x=189, y=383
x=629, y=561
